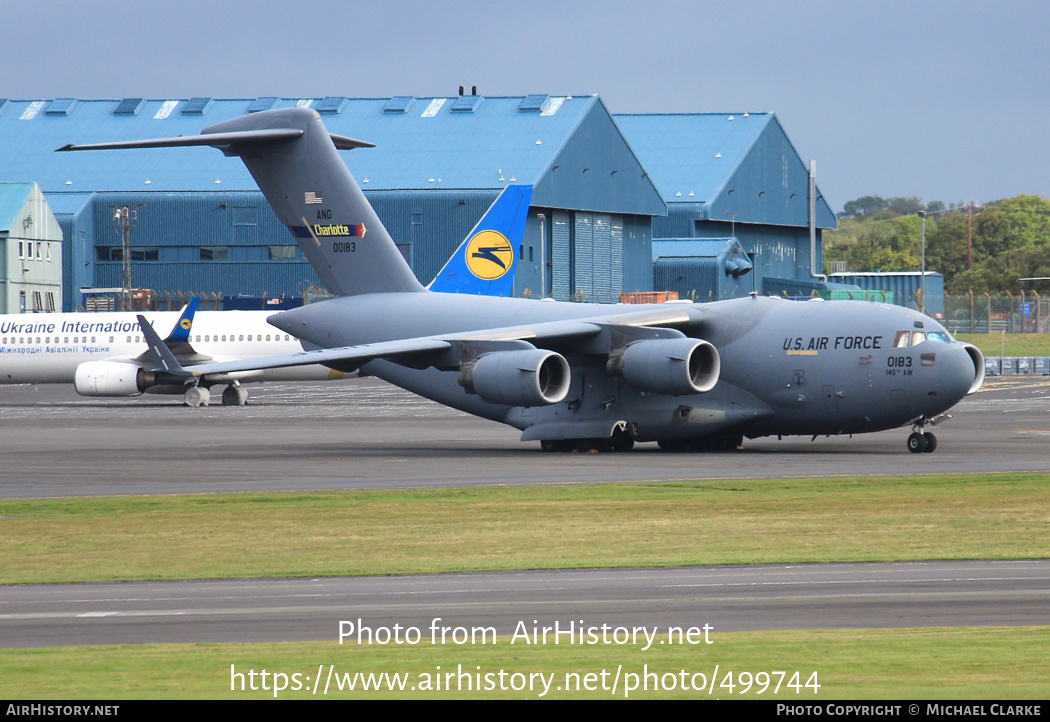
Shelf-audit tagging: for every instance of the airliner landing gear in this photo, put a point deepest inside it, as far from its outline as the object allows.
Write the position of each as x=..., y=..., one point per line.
x=922, y=442
x=198, y=396
x=234, y=395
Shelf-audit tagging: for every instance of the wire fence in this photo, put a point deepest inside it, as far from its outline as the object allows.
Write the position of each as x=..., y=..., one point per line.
x=981, y=313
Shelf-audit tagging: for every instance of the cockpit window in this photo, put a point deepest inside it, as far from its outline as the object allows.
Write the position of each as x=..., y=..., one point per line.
x=939, y=336
x=917, y=337
x=901, y=339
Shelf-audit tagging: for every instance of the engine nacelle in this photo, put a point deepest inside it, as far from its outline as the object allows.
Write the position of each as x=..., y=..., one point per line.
x=111, y=378
x=676, y=366
x=517, y=378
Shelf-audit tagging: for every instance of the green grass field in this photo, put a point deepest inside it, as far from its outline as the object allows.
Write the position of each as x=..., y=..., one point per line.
x=979, y=516
x=936, y=663
x=985, y=516
x=1017, y=344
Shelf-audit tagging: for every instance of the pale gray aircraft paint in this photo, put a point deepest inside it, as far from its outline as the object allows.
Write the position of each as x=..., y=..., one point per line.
x=690, y=376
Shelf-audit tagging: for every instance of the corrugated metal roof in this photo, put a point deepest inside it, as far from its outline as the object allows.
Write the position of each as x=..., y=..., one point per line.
x=426, y=147
x=737, y=165
x=692, y=153
x=67, y=203
x=12, y=200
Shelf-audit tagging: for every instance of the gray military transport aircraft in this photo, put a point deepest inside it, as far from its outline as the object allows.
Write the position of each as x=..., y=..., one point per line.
x=573, y=375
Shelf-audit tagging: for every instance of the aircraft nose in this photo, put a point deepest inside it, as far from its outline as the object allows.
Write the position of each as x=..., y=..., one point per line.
x=962, y=370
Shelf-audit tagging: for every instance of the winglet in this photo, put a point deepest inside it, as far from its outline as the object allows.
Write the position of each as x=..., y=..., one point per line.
x=161, y=353
x=181, y=332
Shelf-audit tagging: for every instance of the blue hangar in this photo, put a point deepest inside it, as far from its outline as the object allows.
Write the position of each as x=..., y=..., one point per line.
x=604, y=189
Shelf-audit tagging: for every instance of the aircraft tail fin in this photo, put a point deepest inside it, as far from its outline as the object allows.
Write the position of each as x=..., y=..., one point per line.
x=181, y=332
x=484, y=263
x=296, y=163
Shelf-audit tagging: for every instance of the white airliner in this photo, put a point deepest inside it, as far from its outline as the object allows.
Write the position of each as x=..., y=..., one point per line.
x=104, y=354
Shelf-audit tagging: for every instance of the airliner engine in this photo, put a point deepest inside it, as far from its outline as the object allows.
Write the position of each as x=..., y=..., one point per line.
x=112, y=378
x=676, y=367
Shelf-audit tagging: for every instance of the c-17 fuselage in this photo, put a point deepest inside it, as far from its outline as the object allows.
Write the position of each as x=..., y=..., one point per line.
x=686, y=375
x=786, y=367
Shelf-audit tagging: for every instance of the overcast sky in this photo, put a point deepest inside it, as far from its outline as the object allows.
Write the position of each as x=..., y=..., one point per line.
x=941, y=100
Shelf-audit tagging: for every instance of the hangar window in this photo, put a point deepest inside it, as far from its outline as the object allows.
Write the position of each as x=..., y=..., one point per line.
x=116, y=253
x=214, y=253
x=282, y=253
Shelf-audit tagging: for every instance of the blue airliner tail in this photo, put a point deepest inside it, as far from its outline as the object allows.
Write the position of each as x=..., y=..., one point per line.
x=181, y=332
x=484, y=264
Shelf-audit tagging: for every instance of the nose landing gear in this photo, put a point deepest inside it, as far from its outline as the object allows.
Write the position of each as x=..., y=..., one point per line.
x=921, y=441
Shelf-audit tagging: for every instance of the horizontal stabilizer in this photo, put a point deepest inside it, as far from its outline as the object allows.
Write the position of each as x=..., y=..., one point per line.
x=218, y=140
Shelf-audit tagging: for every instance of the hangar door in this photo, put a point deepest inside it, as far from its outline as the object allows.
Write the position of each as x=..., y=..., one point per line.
x=587, y=256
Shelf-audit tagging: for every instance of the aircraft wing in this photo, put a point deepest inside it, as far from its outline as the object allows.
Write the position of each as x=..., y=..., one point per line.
x=446, y=349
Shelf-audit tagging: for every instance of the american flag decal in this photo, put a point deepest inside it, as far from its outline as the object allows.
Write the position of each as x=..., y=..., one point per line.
x=312, y=199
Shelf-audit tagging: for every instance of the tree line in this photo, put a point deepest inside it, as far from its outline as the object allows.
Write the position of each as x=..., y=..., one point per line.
x=1009, y=240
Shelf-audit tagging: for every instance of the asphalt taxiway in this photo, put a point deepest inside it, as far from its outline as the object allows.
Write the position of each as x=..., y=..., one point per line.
x=826, y=596
x=365, y=434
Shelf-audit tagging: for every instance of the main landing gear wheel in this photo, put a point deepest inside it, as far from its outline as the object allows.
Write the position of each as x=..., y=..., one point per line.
x=198, y=396
x=234, y=395
x=931, y=442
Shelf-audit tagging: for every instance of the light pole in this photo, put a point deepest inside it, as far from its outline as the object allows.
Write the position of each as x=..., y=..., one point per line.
x=922, y=298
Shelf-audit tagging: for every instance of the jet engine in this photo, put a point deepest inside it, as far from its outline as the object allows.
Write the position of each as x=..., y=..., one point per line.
x=112, y=378
x=978, y=367
x=676, y=366
x=517, y=378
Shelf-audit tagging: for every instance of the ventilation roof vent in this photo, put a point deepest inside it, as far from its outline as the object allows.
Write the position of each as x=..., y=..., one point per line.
x=534, y=104
x=466, y=104
x=129, y=106
x=260, y=104
x=399, y=104
x=61, y=106
x=332, y=105
x=196, y=106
